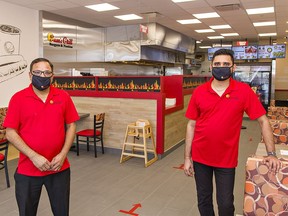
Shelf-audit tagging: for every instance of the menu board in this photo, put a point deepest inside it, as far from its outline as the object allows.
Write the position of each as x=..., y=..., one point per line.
x=211, y=51
x=245, y=52
x=272, y=51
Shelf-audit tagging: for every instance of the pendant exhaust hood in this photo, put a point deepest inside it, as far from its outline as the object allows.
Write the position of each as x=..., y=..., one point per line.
x=64, y=42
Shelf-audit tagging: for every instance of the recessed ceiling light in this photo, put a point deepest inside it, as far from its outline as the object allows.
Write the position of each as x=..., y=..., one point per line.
x=271, y=23
x=230, y=34
x=178, y=1
x=189, y=21
x=215, y=37
x=102, y=7
x=128, y=17
x=206, y=15
x=220, y=27
x=198, y=42
x=260, y=10
x=204, y=30
x=267, y=34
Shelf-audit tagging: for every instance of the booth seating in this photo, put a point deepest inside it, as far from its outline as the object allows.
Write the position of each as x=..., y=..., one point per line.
x=280, y=131
x=265, y=193
x=141, y=130
x=3, y=111
x=4, y=144
x=277, y=113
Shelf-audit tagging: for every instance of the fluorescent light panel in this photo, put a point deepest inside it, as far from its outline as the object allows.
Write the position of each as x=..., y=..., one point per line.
x=206, y=15
x=215, y=37
x=230, y=34
x=267, y=34
x=221, y=45
x=271, y=23
x=204, y=30
x=220, y=27
x=128, y=17
x=189, y=21
x=205, y=47
x=179, y=1
x=102, y=7
x=260, y=10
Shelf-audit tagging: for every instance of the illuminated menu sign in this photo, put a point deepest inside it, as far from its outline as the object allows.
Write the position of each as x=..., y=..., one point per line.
x=211, y=51
x=272, y=51
x=245, y=52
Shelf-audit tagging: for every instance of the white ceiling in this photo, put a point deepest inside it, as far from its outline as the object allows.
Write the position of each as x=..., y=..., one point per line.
x=166, y=12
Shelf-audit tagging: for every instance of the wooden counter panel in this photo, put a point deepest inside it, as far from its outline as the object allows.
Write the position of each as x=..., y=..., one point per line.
x=175, y=126
x=119, y=113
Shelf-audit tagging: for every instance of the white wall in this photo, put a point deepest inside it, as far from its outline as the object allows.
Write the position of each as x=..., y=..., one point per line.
x=26, y=48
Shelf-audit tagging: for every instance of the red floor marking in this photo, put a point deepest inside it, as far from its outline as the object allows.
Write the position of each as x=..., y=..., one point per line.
x=180, y=167
x=131, y=211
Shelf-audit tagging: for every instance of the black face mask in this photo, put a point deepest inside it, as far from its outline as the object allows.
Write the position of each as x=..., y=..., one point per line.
x=221, y=73
x=41, y=83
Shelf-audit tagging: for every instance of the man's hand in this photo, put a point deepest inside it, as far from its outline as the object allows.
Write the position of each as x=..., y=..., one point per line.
x=273, y=163
x=188, y=167
x=41, y=162
x=57, y=162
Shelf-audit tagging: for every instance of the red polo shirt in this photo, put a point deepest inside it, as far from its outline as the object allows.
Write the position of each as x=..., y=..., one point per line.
x=41, y=125
x=219, y=121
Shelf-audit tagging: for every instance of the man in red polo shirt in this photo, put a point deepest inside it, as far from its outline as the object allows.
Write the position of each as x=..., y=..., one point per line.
x=215, y=113
x=40, y=123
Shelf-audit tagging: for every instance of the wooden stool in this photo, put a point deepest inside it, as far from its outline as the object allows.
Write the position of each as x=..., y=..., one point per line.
x=141, y=130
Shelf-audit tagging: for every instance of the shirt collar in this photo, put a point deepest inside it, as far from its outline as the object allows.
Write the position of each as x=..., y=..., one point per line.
x=30, y=91
x=230, y=88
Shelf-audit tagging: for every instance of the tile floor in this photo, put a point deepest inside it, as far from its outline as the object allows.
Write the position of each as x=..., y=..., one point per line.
x=104, y=187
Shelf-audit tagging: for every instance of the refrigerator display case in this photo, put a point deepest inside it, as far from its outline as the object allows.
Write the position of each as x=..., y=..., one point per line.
x=259, y=79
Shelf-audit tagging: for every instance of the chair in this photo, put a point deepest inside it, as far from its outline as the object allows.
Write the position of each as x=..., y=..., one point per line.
x=92, y=135
x=3, y=158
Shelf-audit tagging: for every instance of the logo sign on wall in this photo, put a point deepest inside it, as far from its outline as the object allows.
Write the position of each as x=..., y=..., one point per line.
x=12, y=63
x=64, y=42
x=144, y=29
x=242, y=43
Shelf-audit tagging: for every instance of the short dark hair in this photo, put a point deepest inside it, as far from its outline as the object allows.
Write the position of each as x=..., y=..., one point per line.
x=37, y=60
x=224, y=52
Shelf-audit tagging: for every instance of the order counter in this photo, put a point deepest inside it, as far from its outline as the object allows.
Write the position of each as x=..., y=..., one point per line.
x=126, y=99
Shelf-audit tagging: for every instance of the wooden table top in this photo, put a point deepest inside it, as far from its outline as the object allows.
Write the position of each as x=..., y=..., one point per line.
x=281, y=150
x=83, y=115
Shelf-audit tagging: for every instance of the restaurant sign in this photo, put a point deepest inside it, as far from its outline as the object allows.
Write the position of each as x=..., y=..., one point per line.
x=241, y=43
x=64, y=42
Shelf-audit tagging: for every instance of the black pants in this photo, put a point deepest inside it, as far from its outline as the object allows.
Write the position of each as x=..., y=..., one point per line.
x=224, y=178
x=28, y=190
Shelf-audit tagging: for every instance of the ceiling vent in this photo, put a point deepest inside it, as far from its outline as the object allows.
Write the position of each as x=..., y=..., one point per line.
x=228, y=7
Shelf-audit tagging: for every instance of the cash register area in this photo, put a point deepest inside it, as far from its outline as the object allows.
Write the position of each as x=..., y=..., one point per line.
x=103, y=187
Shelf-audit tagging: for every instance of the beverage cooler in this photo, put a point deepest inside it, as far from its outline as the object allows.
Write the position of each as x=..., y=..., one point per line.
x=258, y=77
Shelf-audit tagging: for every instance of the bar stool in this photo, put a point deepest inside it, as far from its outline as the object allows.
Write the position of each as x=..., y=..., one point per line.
x=140, y=130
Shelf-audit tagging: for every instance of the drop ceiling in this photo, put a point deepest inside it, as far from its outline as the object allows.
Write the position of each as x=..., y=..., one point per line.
x=166, y=12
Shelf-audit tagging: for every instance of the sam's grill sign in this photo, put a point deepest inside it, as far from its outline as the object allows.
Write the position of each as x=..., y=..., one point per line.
x=64, y=42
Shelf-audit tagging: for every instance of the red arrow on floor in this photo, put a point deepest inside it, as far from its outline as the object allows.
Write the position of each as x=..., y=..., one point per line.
x=180, y=167
x=131, y=211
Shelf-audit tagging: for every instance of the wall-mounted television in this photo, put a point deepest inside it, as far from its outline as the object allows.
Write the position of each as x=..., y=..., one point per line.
x=211, y=51
x=245, y=52
x=272, y=51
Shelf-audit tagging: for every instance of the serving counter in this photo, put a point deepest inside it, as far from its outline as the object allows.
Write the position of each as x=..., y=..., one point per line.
x=126, y=99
